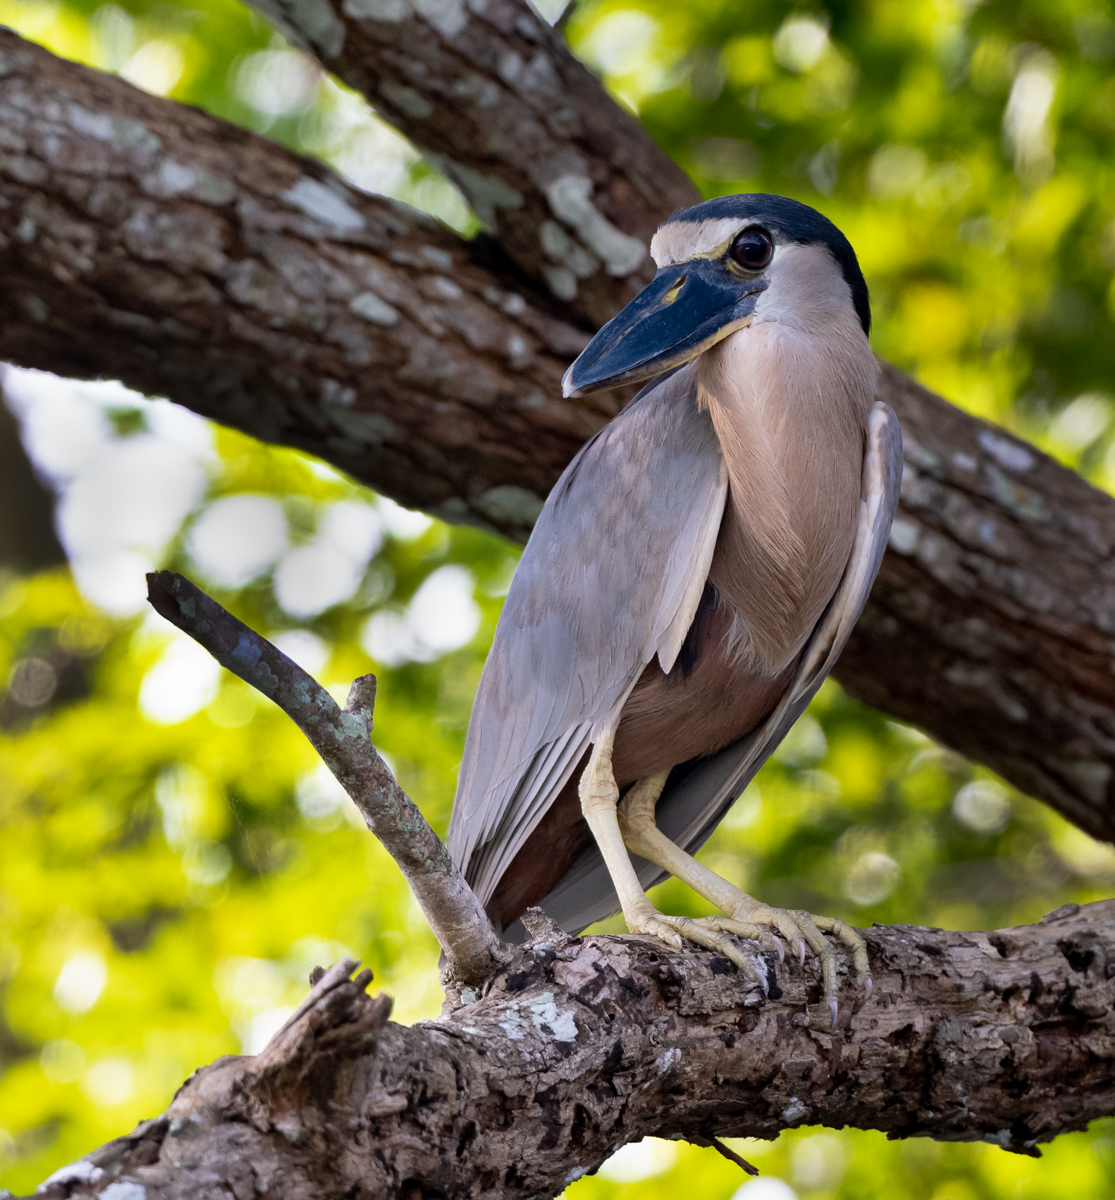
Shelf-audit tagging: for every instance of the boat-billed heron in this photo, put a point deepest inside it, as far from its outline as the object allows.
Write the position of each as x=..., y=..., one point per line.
x=689, y=584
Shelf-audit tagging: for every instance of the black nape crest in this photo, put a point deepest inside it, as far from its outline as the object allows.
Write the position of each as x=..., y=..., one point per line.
x=794, y=222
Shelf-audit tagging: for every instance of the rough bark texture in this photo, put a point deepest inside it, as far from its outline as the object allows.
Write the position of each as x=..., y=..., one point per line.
x=571, y=185
x=582, y=1045
x=343, y=739
x=145, y=241
x=148, y=242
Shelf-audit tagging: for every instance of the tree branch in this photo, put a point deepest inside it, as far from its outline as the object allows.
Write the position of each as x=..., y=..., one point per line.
x=343, y=739
x=581, y=1045
x=148, y=242
x=991, y=621
x=572, y=186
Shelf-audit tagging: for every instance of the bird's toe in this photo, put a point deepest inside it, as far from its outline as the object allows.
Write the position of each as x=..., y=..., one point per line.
x=802, y=929
x=675, y=931
x=853, y=939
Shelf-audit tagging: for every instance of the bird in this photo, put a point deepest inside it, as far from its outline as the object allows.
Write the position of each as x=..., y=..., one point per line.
x=689, y=583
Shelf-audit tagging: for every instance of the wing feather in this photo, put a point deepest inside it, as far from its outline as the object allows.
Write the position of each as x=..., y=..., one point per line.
x=679, y=606
x=612, y=575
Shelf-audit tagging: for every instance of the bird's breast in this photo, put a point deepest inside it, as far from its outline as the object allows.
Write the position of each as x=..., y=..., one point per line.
x=790, y=411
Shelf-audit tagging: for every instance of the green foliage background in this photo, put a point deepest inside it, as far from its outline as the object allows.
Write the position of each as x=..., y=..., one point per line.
x=966, y=149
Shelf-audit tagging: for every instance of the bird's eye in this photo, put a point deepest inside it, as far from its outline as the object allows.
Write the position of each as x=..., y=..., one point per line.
x=752, y=248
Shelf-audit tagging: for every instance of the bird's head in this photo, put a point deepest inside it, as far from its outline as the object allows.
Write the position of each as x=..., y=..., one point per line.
x=722, y=265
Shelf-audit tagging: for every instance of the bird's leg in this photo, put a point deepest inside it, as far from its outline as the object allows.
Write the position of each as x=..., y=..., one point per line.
x=746, y=915
x=599, y=800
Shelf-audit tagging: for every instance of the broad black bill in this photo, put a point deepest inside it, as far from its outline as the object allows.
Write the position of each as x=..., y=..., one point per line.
x=685, y=308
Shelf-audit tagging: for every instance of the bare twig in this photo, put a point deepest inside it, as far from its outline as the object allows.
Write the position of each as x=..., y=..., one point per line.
x=343, y=739
x=711, y=1143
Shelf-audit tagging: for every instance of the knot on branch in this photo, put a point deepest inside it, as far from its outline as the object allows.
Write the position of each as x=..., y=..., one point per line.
x=303, y=1073
x=362, y=699
x=543, y=930
x=338, y=1017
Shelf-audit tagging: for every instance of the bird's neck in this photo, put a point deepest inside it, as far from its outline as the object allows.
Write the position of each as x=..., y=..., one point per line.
x=790, y=409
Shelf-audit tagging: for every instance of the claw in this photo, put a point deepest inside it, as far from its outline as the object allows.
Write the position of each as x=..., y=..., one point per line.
x=832, y=1009
x=779, y=947
x=801, y=953
x=671, y=937
x=867, y=989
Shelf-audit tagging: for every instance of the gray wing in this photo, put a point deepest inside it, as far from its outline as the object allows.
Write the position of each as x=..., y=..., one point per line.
x=697, y=798
x=612, y=575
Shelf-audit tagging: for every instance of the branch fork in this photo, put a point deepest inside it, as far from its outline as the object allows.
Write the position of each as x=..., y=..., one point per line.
x=342, y=737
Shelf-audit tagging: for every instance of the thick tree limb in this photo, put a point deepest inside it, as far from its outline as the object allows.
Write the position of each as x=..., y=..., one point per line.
x=145, y=241
x=148, y=242
x=572, y=186
x=343, y=739
x=582, y=1045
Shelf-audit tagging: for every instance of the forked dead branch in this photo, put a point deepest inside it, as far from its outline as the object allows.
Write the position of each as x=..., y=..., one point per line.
x=342, y=736
x=560, y=1051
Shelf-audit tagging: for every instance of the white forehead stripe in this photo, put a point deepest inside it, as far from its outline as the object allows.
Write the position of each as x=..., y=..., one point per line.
x=679, y=241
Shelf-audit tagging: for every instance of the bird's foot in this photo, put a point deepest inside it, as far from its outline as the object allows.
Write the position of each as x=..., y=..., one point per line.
x=676, y=931
x=801, y=929
x=746, y=917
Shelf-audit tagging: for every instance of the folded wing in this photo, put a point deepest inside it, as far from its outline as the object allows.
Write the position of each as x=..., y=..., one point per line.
x=612, y=576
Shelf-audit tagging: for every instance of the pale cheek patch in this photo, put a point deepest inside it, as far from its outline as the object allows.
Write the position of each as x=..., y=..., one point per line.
x=679, y=241
x=807, y=290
